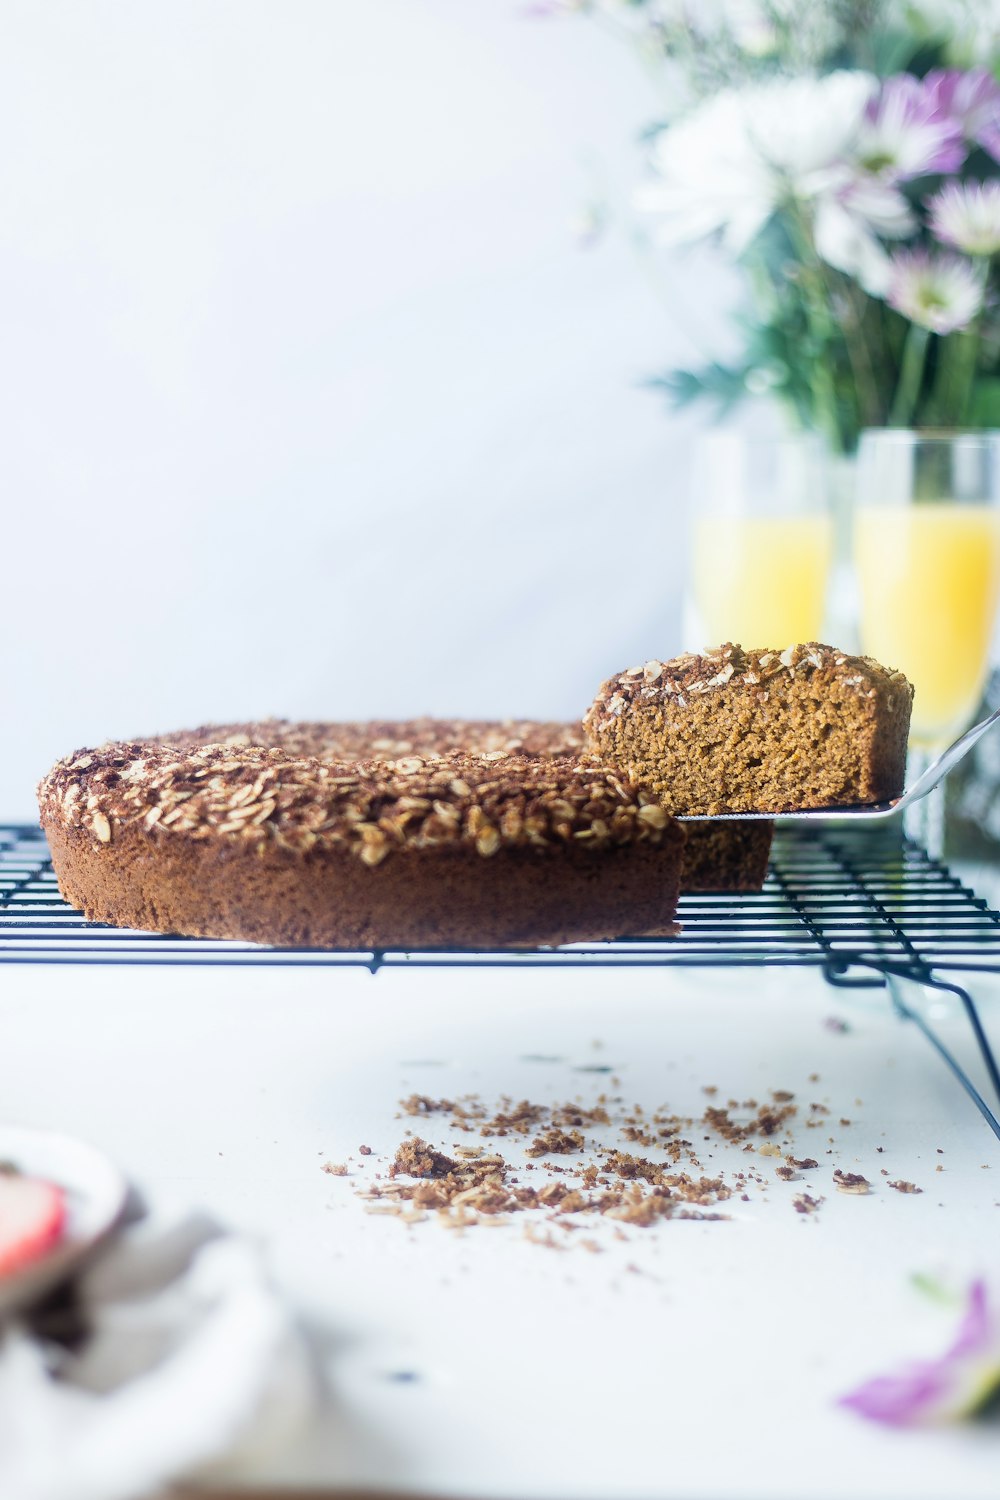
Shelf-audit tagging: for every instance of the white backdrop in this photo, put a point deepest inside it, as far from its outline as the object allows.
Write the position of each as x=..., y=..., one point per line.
x=313, y=404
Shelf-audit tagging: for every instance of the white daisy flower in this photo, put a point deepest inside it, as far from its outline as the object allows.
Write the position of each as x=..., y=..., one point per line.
x=967, y=215
x=969, y=27
x=845, y=241
x=727, y=166
x=940, y=292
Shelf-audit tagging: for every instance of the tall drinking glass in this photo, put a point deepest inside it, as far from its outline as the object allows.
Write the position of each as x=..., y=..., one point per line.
x=927, y=553
x=761, y=540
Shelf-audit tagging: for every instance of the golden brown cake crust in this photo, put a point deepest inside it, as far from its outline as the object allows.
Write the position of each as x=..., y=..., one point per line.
x=756, y=731
x=721, y=857
x=381, y=739
x=236, y=840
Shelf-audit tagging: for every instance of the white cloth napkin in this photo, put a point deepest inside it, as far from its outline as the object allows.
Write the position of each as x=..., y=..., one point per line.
x=191, y=1361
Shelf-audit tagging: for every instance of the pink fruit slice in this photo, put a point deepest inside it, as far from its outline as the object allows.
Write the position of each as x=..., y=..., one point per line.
x=32, y=1216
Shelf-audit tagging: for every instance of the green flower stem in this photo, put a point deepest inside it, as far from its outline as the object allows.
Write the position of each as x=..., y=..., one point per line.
x=823, y=328
x=911, y=375
x=956, y=373
x=860, y=355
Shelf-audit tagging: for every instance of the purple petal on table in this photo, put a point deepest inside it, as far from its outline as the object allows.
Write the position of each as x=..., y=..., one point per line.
x=896, y=1400
x=952, y=1386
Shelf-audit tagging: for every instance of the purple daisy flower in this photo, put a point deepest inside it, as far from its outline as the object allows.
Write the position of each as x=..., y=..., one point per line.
x=958, y=1384
x=969, y=100
x=904, y=133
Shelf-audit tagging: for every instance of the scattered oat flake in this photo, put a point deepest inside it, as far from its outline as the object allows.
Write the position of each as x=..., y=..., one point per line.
x=851, y=1182
x=539, y=1236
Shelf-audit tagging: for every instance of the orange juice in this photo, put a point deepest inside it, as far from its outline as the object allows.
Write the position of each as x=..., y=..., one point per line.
x=929, y=576
x=761, y=580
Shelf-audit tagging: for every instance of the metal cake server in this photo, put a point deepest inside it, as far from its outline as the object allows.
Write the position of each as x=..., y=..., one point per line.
x=871, y=812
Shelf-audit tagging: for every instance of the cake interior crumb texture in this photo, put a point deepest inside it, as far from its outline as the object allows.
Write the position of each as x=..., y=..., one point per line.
x=756, y=731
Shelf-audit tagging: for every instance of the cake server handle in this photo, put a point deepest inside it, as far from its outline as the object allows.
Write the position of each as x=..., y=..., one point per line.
x=938, y=769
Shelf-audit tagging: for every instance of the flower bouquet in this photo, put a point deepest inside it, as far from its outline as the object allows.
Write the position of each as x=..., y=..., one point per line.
x=847, y=154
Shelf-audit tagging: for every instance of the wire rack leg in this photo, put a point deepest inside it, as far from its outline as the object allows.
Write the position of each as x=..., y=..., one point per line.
x=951, y=1061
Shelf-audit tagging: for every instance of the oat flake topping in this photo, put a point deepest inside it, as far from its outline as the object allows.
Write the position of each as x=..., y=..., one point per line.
x=374, y=809
x=731, y=667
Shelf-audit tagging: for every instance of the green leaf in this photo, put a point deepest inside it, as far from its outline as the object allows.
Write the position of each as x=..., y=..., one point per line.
x=935, y=1289
x=984, y=407
x=892, y=51
x=716, y=383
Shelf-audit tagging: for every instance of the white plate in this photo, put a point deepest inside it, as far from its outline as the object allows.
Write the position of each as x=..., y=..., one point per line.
x=95, y=1197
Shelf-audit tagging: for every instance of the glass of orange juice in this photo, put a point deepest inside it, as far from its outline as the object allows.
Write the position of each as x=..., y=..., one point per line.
x=761, y=540
x=927, y=554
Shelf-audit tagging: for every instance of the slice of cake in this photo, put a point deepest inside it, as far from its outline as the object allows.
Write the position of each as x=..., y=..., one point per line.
x=756, y=731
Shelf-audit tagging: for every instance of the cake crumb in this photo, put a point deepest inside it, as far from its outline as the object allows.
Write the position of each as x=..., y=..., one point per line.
x=336, y=1168
x=555, y=1142
x=580, y=1184
x=905, y=1187
x=803, y=1204
x=415, y=1158
x=422, y=1104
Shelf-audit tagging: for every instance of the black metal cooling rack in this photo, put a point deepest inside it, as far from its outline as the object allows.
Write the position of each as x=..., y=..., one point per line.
x=867, y=908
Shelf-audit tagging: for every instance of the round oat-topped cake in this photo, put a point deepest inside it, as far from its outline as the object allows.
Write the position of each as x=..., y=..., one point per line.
x=298, y=842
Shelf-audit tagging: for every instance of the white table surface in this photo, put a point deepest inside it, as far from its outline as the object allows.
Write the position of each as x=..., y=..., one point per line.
x=691, y=1360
